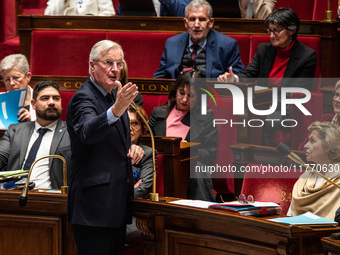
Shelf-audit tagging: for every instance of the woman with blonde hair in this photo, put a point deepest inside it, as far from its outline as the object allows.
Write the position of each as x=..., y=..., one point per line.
x=312, y=192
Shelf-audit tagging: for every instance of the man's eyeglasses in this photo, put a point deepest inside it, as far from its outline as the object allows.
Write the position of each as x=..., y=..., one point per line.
x=336, y=95
x=110, y=64
x=134, y=124
x=246, y=200
x=275, y=31
x=15, y=79
x=192, y=21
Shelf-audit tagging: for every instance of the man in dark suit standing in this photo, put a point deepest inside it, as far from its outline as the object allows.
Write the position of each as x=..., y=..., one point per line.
x=101, y=176
x=17, y=143
x=201, y=47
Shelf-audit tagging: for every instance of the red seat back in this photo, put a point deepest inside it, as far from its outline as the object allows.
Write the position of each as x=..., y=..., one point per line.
x=62, y=52
x=303, y=9
x=244, y=46
x=143, y=51
x=152, y=101
x=274, y=187
x=227, y=136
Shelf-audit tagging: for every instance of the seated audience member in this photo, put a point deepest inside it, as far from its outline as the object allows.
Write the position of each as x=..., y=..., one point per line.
x=283, y=57
x=334, y=118
x=80, y=7
x=142, y=172
x=16, y=75
x=201, y=47
x=124, y=80
x=258, y=9
x=182, y=117
x=20, y=147
x=311, y=192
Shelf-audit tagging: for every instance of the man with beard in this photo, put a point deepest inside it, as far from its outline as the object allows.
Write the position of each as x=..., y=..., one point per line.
x=18, y=143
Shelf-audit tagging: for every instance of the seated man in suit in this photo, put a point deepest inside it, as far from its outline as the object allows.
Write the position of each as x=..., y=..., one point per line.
x=201, y=47
x=25, y=142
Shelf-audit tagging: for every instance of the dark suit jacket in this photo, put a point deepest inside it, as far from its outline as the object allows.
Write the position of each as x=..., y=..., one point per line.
x=201, y=130
x=101, y=176
x=145, y=169
x=221, y=53
x=14, y=143
x=302, y=64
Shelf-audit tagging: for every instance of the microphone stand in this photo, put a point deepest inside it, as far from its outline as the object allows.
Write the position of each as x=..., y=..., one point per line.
x=153, y=196
x=298, y=160
x=64, y=188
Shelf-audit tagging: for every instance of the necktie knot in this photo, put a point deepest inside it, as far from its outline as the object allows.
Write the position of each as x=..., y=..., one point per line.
x=42, y=131
x=194, y=48
x=110, y=98
x=34, y=149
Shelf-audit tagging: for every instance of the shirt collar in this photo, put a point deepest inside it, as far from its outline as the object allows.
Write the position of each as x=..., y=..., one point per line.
x=50, y=127
x=201, y=44
x=98, y=87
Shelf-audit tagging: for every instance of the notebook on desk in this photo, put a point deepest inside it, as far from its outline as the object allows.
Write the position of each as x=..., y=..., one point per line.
x=225, y=8
x=137, y=8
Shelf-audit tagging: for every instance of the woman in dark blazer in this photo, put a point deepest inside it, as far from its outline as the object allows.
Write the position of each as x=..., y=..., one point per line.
x=283, y=57
x=181, y=117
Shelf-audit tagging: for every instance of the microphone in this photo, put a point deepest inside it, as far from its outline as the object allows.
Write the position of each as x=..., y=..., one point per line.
x=64, y=188
x=285, y=150
x=153, y=196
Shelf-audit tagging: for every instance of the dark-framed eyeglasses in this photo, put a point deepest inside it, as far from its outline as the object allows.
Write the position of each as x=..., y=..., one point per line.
x=192, y=20
x=335, y=95
x=135, y=124
x=275, y=31
x=243, y=199
x=110, y=64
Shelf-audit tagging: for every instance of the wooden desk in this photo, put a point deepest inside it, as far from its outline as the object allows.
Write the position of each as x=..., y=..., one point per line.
x=177, y=157
x=40, y=228
x=331, y=245
x=177, y=230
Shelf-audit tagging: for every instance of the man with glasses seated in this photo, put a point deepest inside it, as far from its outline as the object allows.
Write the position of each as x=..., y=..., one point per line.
x=16, y=75
x=201, y=47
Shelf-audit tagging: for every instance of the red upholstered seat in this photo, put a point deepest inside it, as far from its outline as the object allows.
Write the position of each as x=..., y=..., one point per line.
x=227, y=136
x=320, y=7
x=62, y=52
x=244, y=46
x=304, y=9
x=270, y=187
x=152, y=101
x=9, y=42
x=142, y=51
x=65, y=99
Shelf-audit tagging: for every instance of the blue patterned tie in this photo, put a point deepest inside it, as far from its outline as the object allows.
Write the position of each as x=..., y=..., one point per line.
x=34, y=149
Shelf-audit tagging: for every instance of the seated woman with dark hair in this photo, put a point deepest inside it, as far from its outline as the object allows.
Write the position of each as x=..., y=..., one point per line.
x=182, y=117
x=312, y=192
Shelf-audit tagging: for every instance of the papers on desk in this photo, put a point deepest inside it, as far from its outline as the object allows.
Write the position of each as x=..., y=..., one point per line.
x=4, y=175
x=307, y=219
x=193, y=203
x=251, y=209
x=10, y=104
x=254, y=209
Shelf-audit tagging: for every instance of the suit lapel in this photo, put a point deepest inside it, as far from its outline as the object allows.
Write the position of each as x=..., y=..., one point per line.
x=210, y=54
x=269, y=61
x=58, y=134
x=292, y=62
